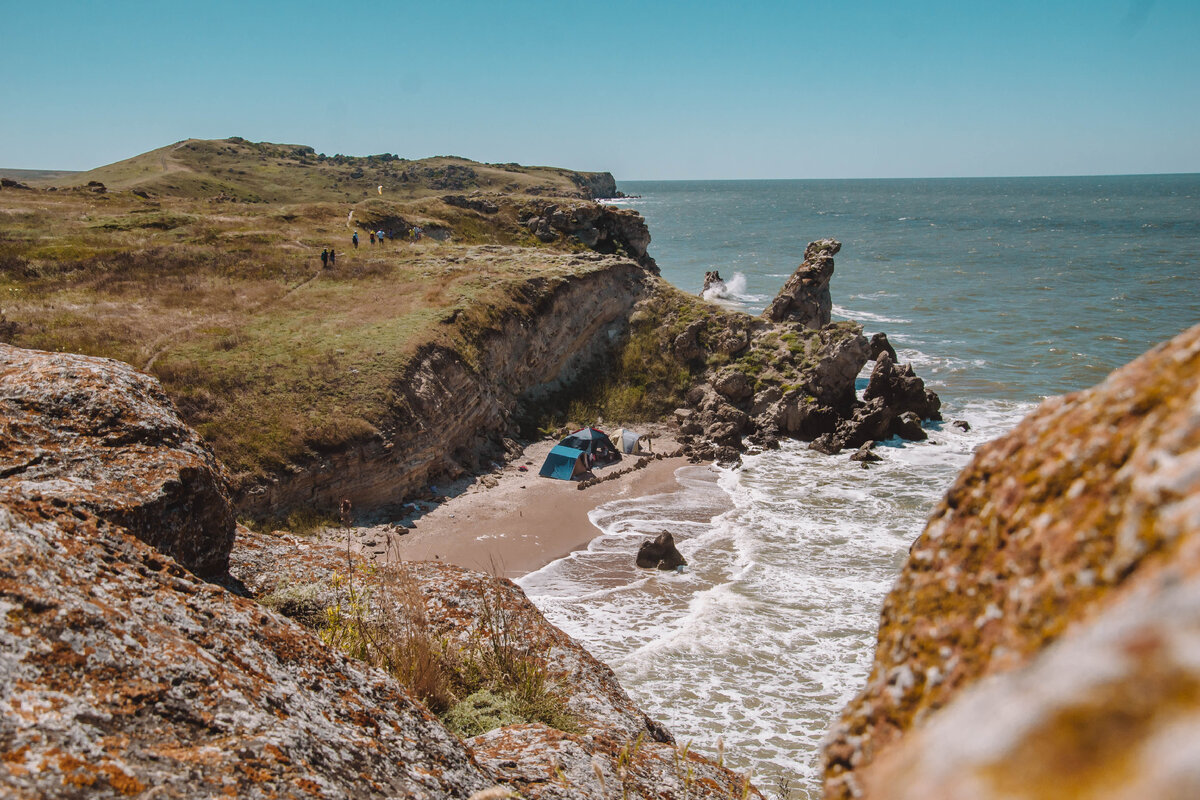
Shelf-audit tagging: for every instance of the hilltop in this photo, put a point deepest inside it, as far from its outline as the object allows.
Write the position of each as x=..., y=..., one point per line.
x=263, y=172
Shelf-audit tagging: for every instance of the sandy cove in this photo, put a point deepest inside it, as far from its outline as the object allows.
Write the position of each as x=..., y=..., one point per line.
x=511, y=522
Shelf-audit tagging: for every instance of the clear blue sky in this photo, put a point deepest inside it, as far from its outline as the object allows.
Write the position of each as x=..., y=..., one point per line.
x=642, y=89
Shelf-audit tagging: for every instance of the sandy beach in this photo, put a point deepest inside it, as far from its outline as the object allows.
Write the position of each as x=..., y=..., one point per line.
x=510, y=522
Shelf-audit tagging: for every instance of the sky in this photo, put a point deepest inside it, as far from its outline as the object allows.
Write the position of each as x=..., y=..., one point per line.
x=645, y=90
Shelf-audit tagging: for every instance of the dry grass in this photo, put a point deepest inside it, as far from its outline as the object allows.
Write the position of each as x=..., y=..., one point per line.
x=274, y=360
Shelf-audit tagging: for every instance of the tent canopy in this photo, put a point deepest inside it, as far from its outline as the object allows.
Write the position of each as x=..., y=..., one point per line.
x=595, y=443
x=563, y=463
x=631, y=442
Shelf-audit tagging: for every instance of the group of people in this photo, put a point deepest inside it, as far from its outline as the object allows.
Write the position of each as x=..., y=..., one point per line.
x=328, y=256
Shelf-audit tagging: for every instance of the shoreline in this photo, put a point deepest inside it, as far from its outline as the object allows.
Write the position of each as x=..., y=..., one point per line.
x=511, y=522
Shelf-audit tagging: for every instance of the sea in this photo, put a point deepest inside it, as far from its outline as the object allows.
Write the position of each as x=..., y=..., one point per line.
x=1000, y=292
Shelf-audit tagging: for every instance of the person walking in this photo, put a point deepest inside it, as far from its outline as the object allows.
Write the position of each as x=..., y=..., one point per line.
x=379, y=235
x=325, y=259
x=372, y=237
x=332, y=257
x=354, y=239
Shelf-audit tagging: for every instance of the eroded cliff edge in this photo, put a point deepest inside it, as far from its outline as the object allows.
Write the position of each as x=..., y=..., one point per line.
x=1041, y=639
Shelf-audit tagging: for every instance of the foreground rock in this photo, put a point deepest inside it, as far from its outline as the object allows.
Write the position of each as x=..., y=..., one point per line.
x=97, y=434
x=1065, y=562
x=125, y=673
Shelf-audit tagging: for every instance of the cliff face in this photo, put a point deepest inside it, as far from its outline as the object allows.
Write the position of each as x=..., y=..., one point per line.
x=1065, y=563
x=451, y=414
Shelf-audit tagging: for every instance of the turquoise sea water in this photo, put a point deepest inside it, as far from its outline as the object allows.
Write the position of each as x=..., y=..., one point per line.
x=999, y=291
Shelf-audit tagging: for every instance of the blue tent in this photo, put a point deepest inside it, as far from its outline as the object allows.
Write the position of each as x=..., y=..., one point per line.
x=563, y=463
x=595, y=443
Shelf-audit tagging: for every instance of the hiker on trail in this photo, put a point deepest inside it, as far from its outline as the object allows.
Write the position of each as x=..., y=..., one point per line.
x=332, y=256
x=372, y=237
x=379, y=236
x=324, y=258
x=354, y=239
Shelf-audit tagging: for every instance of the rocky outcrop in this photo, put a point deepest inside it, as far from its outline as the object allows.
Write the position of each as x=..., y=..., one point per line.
x=451, y=416
x=660, y=553
x=805, y=297
x=124, y=672
x=97, y=434
x=596, y=185
x=617, y=750
x=480, y=204
x=602, y=228
x=880, y=344
x=713, y=284
x=762, y=380
x=1064, y=563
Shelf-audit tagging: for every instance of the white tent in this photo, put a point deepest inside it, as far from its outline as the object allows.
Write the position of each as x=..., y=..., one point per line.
x=630, y=442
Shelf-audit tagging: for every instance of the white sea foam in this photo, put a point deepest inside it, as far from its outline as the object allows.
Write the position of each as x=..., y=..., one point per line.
x=867, y=316
x=772, y=630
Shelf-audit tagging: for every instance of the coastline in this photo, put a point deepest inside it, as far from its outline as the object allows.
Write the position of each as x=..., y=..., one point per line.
x=511, y=522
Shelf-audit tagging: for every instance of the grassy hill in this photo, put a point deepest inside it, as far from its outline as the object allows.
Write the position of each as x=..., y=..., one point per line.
x=262, y=172
x=199, y=263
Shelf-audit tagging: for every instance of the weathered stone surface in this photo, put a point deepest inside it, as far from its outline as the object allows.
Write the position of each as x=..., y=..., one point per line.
x=805, y=298
x=1109, y=711
x=908, y=426
x=124, y=674
x=546, y=764
x=864, y=454
x=660, y=553
x=1092, y=498
x=458, y=603
x=97, y=434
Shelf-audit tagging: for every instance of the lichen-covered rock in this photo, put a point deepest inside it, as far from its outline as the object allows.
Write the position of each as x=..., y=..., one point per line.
x=97, y=434
x=1109, y=711
x=457, y=603
x=546, y=764
x=805, y=298
x=1093, y=497
x=125, y=674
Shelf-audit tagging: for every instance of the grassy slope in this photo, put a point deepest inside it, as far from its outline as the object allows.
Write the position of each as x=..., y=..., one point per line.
x=272, y=173
x=270, y=356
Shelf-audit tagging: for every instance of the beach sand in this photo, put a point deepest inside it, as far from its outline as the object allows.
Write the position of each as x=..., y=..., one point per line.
x=511, y=522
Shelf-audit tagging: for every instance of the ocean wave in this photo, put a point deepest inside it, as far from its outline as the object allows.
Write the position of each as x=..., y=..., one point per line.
x=859, y=316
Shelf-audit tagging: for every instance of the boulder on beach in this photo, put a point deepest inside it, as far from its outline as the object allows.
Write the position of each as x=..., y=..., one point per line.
x=660, y=553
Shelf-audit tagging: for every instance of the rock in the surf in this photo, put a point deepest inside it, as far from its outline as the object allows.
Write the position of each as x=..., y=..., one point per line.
x=805, y=298
x=880, y=344
x=660, y=553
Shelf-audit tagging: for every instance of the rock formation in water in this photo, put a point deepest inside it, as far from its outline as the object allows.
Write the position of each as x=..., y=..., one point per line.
x=793, y=376
x=1064, y=566
x=712, y=282
x=660, y=553
x=127, y=674
x=806, y=298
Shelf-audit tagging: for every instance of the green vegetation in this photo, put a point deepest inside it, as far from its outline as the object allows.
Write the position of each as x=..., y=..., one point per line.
x=492, y=678
x=272, y=358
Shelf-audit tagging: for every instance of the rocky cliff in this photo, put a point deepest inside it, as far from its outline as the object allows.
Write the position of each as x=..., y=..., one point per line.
x=789, y=373
x=126, y=674
x=1064, y=567
x=454, y=406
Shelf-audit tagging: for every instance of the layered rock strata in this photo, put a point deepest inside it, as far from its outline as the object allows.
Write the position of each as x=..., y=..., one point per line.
x=1064, y=562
